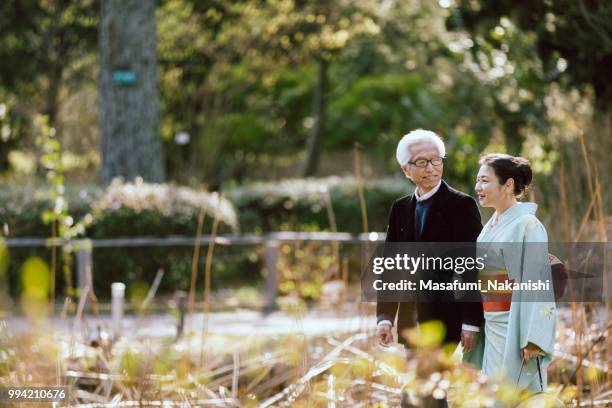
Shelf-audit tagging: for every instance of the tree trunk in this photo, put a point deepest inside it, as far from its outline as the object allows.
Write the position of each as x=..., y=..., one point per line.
x=55, y=80
x=318, y=108
x=129, y=106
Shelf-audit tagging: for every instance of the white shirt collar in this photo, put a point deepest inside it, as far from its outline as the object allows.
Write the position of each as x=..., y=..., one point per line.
x=428, y=194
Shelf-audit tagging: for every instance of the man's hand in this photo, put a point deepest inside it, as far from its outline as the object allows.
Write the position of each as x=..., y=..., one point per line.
x=469, y=339
x=530, y=351
x=384, y=334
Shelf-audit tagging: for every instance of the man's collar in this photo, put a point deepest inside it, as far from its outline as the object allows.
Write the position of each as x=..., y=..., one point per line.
x=428, y=194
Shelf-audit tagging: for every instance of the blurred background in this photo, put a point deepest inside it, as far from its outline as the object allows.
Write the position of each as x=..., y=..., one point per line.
x=269, y=102
x=132, y=133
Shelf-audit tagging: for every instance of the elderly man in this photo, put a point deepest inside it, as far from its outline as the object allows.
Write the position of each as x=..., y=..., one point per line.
x=434, y=213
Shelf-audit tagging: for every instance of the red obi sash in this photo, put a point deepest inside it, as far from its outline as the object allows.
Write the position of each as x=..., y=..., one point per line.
x=496, y=300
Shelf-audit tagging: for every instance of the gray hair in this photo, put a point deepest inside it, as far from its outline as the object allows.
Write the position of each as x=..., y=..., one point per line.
x=417, y=136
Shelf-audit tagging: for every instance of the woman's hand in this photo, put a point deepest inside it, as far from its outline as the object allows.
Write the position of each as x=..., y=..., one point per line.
x=530, y=351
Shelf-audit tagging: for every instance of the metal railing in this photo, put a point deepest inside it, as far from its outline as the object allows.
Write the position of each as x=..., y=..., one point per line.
x=270, y=241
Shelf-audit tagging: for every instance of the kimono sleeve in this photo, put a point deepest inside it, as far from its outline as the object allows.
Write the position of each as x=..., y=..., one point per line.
x=537, y=308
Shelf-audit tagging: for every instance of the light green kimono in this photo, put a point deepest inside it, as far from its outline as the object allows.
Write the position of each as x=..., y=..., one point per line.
x=504, y=334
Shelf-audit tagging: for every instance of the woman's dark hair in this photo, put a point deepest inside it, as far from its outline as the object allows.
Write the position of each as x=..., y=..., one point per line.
x=505, y=167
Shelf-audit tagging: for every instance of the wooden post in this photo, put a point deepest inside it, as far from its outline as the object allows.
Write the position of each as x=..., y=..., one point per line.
x=181, y=298
x=271, y=258
x=83, y=266
x=117, y=297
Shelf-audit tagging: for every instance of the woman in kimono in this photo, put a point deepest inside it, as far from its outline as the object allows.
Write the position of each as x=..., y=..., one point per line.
x=519, y=327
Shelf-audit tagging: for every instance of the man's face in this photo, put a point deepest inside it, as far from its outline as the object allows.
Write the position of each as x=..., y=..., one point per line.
x=426, y=177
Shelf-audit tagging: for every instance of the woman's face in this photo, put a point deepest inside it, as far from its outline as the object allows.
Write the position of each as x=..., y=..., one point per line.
x=490, y=192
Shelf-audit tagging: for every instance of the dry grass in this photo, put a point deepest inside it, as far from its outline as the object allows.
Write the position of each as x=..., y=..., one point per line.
x=344, y=371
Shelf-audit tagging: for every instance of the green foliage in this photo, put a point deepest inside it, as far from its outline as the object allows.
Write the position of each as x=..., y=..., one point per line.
x=378, y=108
x=298, y=204
x=122, y=210
x=258, y=66
x=41, y=43
x=239, y=77
x=12, y=125
x=51, y=162
x=36, y=35
x=573, y=39
x=57, y=215
x=304, y=268
x=21, y=208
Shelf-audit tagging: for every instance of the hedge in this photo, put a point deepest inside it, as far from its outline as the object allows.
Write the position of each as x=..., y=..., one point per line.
x=296, y=204
x=141, y=209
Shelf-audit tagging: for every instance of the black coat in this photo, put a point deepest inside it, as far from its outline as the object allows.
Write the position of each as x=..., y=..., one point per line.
x=453, y=217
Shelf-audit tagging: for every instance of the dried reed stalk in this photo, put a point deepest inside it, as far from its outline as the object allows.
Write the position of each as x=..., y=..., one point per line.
x=79, y=313
x=93, y=299
x=53, y=268
x=153, y=289
x=255, y=381
x=601, y=223
x=359, y=180
x=584, y=221
x=364, y=211
x=564, y=206
x=293, y=390
x=207, y=284
x=331, y=391
x=163, y=403
x=601, y=218
x=334, y=228
x=345, y=273
x=235, y=373
x=194, y=261
x=587, y=164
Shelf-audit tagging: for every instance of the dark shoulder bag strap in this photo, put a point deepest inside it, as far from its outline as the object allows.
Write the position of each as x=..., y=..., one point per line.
x=539, y=373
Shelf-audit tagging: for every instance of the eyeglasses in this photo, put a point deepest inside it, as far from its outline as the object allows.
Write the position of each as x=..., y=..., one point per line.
x=436, y=161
